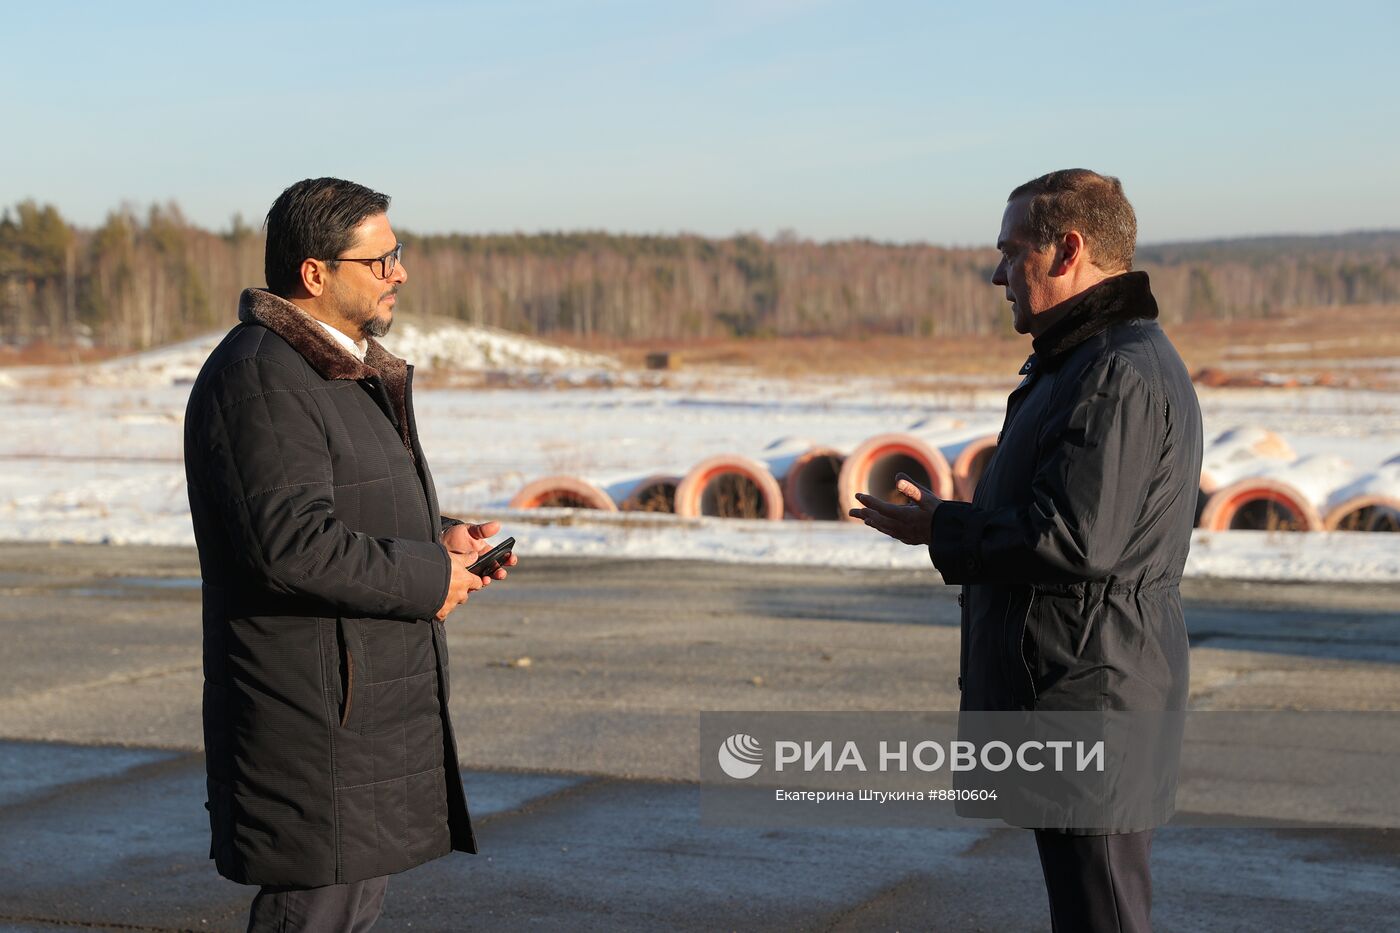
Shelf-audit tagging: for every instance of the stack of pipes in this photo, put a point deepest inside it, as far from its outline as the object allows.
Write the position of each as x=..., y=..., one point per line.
x=1250, y=479
x=795, y=478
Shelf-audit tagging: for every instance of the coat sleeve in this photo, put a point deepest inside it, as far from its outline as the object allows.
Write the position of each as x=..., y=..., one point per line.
x=267, y=471
x=1098, y=450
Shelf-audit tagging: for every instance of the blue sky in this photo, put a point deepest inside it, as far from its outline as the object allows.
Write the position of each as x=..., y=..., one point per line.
x=898, y=121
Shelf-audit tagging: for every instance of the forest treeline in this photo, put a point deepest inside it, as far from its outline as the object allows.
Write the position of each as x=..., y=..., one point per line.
x=149, y=277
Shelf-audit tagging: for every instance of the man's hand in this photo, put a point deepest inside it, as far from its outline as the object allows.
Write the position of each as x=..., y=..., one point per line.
x=463, y=582
x=465, y=543
x=912, y=524
x=471, y=540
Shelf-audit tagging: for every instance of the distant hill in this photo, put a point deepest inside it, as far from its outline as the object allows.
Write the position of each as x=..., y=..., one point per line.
x=141, y=281
x=1361, y=242
x=1256, y=276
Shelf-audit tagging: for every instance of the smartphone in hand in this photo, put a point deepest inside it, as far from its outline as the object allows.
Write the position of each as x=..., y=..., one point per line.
x=493, y=559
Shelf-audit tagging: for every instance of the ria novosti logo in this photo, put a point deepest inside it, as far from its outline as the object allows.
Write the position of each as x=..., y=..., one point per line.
x=741, y=756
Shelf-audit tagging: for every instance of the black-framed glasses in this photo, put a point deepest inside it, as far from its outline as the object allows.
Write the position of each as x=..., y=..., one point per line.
x=387, y=263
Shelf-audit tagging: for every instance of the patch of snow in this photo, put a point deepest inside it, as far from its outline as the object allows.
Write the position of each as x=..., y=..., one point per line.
x=170, y=365
x=469, y=347
x=1384, y=482
x=1316, y=476
x=1311, y=346
x=1340, y=556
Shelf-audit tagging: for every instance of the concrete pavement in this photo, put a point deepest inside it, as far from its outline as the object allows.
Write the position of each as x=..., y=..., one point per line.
x=581, y=759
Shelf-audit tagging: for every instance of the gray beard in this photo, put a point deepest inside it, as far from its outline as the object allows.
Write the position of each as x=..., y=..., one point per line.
x=375, y=326
x=363, y=316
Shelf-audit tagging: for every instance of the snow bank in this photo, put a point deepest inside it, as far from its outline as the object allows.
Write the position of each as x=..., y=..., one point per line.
x=467, y=347
x=446, y=346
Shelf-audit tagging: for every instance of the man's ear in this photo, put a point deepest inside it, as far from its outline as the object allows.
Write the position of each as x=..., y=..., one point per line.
x=314, y=277
x=1069, y=253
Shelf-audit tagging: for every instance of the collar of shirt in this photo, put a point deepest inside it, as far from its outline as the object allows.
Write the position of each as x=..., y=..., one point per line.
x=356, y=348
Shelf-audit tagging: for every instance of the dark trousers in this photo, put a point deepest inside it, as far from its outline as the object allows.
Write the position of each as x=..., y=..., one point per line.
x=335, y=908
x=1097, y=884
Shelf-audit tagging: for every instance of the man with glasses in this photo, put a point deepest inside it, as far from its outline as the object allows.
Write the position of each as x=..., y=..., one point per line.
x=328, y=572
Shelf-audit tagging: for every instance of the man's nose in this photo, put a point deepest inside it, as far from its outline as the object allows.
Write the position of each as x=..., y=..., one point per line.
x=400, y=274
x=999, y=275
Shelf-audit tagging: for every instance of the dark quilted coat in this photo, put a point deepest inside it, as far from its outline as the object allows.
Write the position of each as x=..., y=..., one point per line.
x=1072, y=550
x=330, y=753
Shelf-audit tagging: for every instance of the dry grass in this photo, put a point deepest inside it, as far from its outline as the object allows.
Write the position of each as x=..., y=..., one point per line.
x=47, y=354
x=734, y=496
x=1300, y=337
x=1300, y=342
x=801, y=356
x=656, y=497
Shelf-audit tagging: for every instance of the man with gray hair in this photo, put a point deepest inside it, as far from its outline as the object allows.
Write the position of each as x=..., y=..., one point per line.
x=1071, y=553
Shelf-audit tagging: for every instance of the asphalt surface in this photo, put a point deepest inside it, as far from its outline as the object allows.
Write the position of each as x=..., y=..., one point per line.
x=583, y=759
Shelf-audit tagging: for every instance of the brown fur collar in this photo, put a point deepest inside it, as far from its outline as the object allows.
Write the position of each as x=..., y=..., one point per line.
x=1125, y=297
x=330, y=359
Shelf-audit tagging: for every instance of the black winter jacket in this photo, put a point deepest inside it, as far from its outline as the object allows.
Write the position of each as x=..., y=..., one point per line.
x=1072, y=550
x=330, y=754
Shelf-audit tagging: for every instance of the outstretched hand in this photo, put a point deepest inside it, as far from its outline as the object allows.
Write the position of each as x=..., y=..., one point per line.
x=912, y=523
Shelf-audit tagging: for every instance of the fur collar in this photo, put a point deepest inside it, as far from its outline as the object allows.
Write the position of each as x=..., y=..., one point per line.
x=330, y=359
x=1126, y=297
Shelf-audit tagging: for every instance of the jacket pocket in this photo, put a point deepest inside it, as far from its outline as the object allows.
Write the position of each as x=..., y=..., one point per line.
x=347, y=651
x=1028, y=651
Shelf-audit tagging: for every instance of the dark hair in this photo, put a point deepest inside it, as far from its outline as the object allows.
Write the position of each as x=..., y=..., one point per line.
x=1093, y=204
x=314, y=219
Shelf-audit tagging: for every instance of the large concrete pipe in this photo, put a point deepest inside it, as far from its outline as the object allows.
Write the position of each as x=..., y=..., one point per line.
x=1371, y=503
x=562, y=492
x=811, y=486
x=730, y=486
x=1241, y=451
x=872, y=468
x=970, y=462
x=655, y=493
x=1292, y=495
x=1259, y=503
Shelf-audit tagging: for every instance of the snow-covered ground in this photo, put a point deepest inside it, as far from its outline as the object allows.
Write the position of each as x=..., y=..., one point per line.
x=94, y=454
